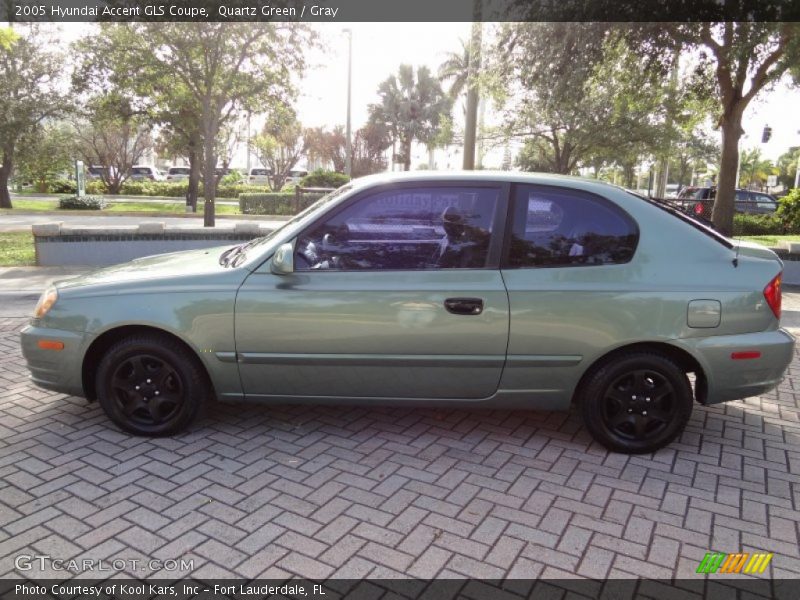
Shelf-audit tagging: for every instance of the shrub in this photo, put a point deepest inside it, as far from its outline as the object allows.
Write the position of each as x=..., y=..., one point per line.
x=83, y=203
x=62, y=186
x=326, y=179
x=96, y=188
x=232, y=178
x=180, y=188
x=789, y=210
x=744, y=224
x=274, y=203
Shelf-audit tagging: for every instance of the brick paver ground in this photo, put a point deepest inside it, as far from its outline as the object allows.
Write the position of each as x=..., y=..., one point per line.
x=353, y=492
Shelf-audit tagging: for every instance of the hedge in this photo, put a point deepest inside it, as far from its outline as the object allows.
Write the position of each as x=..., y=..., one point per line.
x=171, y=190
x=274, y=203
x=324, y=179
x=744, y=224
x=82, y=203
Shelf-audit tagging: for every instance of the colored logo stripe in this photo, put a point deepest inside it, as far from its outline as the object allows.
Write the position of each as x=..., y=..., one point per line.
x=734, y=563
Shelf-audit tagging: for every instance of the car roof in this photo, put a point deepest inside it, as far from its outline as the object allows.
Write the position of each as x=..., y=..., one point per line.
x=486, y=177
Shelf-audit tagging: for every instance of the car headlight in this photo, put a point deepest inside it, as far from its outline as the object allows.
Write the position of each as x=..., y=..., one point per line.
x=46, y=302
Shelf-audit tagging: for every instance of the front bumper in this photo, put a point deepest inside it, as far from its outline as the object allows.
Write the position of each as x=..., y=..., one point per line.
x=730, y=379
x=57, y=370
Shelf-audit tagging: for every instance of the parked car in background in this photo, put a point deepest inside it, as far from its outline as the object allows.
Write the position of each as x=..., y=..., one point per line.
x=178, y=174
x=95, y=172
x=296, y=176
x=473, y=289
x=146, y=173
x=259, y=176
x=699, y=201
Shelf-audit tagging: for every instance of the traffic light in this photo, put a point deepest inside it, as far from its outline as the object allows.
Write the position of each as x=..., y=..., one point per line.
x=766, y=134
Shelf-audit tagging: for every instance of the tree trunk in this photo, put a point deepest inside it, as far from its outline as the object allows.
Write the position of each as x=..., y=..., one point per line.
x=407, y=155
x=5, y=173
x=194, y=176
x=209, y=168
x=722, y=216
x=471, y=122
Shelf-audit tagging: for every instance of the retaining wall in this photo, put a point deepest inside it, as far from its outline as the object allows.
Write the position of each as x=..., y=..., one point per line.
x=58, y=245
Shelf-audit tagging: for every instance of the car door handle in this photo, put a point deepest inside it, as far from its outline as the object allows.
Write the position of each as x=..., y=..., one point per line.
x=464, y=306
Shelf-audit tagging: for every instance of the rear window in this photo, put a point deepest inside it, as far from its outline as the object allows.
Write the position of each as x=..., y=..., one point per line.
x=141, y=170
x=710, y=232
x=179, y=170
x=260, y=172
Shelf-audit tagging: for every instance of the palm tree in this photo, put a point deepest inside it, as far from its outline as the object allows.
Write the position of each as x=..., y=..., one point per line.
x=754, y=170
x=455, y=69
x=412, y=107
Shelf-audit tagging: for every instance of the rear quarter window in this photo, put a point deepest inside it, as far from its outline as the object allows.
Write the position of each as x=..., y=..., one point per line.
x=560, y=227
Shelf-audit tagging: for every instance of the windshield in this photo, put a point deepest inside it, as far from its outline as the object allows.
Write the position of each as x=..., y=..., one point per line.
x=699, y=225
x=236, y=255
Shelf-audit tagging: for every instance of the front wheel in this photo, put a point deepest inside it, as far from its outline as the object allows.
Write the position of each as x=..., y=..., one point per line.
x=636, y=403
x=149, y=385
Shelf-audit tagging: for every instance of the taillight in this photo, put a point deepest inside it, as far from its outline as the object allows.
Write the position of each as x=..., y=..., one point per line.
x=698, y=209
x=772, y=294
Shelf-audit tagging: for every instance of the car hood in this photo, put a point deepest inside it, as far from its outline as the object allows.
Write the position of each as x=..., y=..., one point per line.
x=152, y=269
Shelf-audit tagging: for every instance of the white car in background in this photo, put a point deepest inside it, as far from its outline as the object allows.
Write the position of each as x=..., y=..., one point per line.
x=295, y=176
x=259, y=176
x=178, y=173
x=145, y=173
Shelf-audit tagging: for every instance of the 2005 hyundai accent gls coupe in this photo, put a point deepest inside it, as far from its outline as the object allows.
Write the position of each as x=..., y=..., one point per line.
x=470, y=289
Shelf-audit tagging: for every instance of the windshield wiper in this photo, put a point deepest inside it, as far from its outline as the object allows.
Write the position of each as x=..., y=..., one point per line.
x=230, y=254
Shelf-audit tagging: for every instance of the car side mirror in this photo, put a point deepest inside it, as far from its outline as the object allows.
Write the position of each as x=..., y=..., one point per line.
x=283, y=260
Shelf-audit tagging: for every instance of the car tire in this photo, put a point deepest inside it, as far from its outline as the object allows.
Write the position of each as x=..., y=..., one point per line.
x=150, y=385
x=636, y=403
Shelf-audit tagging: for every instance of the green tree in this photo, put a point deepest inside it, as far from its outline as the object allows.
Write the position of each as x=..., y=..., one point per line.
x=7, y=37
x=572, y=96
x=788, y=164
x=412, y=107
x=745, y=58
x=455, y=70
x=280, y=144
x=369, y=144
x=45, y=153
x=113, y=135
x=754, y=169
x=327, y=146
x=206, y=72
x=29, y=72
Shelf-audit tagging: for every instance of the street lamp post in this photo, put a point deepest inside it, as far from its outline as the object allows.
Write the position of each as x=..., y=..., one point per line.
x=348, y=161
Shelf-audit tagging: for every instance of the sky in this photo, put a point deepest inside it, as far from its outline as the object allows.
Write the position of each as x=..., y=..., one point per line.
x=380, y=48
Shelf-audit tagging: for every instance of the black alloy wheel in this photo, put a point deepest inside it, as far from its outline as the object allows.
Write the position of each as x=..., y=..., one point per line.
x=151, y=385
x=636, y=403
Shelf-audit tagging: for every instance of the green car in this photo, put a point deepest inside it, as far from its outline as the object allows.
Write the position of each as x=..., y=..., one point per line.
x=480, y=290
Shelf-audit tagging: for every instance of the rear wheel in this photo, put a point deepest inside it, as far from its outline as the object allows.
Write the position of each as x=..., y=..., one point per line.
x=149, y=385
x=636, y=403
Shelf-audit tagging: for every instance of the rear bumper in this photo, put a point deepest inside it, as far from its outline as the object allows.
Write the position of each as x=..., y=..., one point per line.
x=56, y=370
x=730, y=379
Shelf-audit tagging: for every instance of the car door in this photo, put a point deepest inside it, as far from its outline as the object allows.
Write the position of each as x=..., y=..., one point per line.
x=396, y=294
x=564, y=268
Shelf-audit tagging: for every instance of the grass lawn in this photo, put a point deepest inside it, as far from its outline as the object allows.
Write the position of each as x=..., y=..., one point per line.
x=769, y=240
x=16, y=249
x=166, y=207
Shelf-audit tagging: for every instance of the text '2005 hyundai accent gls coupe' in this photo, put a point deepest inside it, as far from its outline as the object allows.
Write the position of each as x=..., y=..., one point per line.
x=460, y=289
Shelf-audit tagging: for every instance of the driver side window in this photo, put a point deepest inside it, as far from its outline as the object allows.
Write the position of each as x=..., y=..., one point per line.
x=404, y=229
